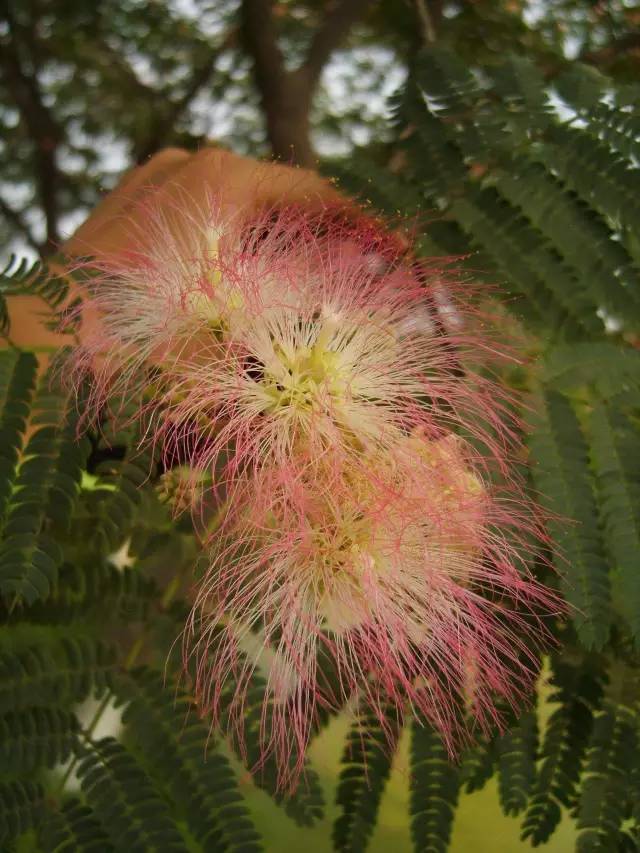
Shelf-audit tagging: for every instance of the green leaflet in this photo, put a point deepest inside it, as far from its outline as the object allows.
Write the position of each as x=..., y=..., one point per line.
x=35, y=737
x=563, y=478
x=577, y=693
x=130, y=809
x=550, y=292
x=20, y=276
x=73, y=828
x=606, y=368
x=176, y=747
x=366, y=765
x=55, y=671
x=615, y=455
x=40, y=488
x=607, y=277
x=21, y=807
x=434, y=788
x=478, y=765
x=17, y=380
x=305, y=805
x=602, y=179
x=606, y=794
x=516, y=750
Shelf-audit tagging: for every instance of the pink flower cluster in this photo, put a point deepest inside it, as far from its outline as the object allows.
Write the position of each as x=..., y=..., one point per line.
x=337, y=397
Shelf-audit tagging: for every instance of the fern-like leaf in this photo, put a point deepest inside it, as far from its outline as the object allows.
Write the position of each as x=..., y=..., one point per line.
x=305, y=805
x=434, y=789
x=34, y=278
x=619, y=128
x=130, y=809
x=43, y=497
x=17, y=379
x=54, y=672
x=562, y=475
x=478, y=765
x=607, y=276
x=83, y=592
x=605, y=368
x=567, y=734
x=35, y=737
x=516, y=750
x=604, y=799
x=177, y=749
x=21, y=808
x=366, y=766
x=615, y=442
x=73, y=829
x=550, y=293
x=587, y=166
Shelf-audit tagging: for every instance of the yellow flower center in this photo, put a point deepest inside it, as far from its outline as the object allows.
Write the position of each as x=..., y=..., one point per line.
x=305, y=378
x=216, y=299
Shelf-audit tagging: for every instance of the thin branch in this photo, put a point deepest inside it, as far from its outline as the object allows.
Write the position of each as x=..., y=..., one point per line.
x=166, y=122
x=114, y=64
x=427, y=25
x=175, y=110
x=43, y=129
x=19, y=224
x=612, y=51
x=337, y=23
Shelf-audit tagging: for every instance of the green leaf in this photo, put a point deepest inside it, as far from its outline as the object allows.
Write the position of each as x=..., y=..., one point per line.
x=619, y=128
x=305, y=805
x=478, y=765
x=21, y=808
x=74, y=829
x=176, y=747
x=31, y=278
x=606, y=275
x=605, y=795
x=588, y=167
x=35, y=737
x=607, y=368
x=17, y=381
x=516, y=750
x=130, y=809
x=561, y=473
x=59, y=671
x=434, y=789
x=615, y=453
x=566, y=736
x=366, y=766
x=44, y=492
x=551, y=295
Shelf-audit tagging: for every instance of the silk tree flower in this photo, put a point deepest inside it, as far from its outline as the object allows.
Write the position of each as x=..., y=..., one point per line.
x=298, y=333
x=338, y=396
x=404, y=576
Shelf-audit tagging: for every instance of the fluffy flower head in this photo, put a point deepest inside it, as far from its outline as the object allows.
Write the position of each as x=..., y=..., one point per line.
x=337, y=393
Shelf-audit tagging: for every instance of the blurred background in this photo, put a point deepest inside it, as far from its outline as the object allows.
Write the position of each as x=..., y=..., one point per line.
x=89, y=89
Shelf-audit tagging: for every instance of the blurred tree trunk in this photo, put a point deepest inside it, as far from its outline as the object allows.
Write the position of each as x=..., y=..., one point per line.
x=287, y=95
x=287, y=116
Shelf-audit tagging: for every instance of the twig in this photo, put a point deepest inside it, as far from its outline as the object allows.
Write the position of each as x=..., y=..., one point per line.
x=42, y=127
x=426, y=22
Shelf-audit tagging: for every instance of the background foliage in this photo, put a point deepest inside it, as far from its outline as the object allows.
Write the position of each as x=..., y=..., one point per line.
x=512, y=139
